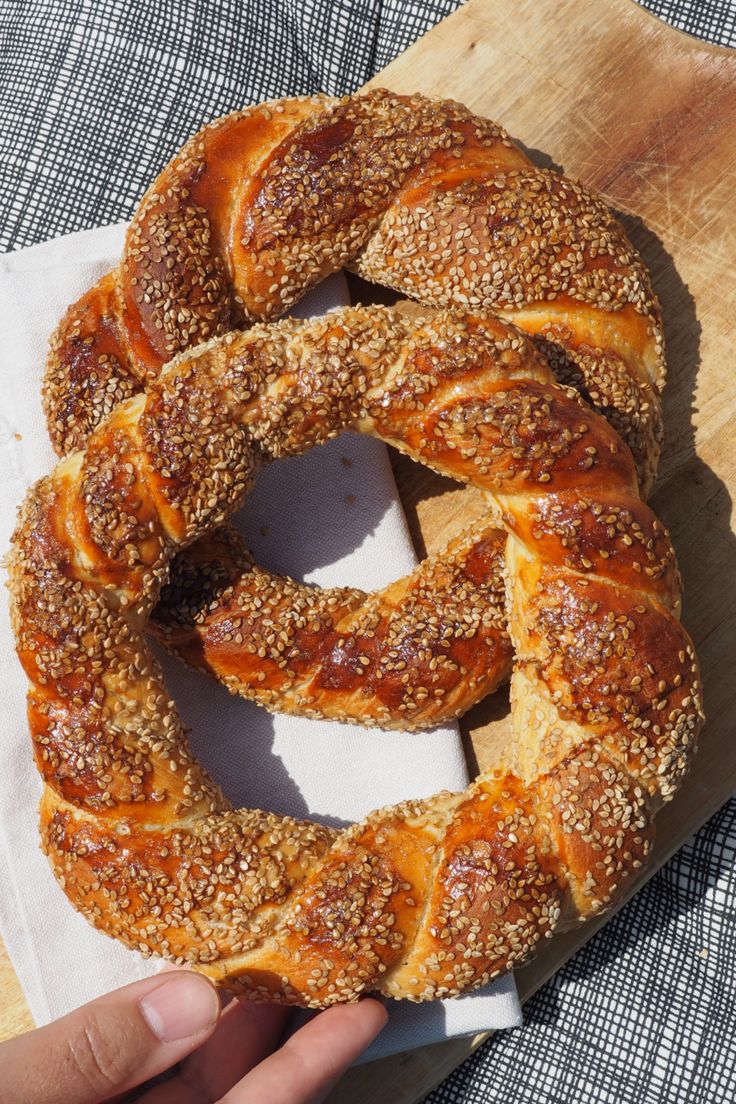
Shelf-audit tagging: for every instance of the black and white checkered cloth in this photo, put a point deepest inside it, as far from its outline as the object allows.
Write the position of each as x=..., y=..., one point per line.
x=95, y=96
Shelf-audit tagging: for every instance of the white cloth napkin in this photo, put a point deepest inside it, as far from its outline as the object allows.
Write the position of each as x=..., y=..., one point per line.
x=330, y=517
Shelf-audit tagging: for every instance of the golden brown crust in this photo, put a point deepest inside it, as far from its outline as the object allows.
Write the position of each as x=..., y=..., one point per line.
x=619, y=539
x=176, y=283
x=425, y=899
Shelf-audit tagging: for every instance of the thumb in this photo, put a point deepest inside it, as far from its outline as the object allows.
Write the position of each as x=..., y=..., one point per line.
x=111, y=1044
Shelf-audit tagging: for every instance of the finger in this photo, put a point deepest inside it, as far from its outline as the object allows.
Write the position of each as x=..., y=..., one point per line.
x=245, y=1034
x=111, y=1044
x=309, y=1063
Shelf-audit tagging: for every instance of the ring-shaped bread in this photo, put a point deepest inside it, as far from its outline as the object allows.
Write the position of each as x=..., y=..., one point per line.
x=422, y=900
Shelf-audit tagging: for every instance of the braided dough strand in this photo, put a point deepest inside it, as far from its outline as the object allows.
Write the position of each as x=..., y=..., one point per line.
x=422, y=900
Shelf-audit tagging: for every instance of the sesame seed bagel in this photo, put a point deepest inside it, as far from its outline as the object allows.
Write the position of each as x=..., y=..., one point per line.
x=426, y=198
x=432, y=897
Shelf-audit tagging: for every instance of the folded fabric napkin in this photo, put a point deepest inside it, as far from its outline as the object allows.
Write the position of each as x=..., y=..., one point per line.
x=330, y=517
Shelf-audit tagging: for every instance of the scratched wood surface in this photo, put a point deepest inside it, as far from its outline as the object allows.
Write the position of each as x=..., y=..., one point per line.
x=648, y=117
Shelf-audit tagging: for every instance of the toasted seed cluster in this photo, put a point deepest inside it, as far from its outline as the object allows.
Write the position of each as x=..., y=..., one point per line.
x=421, y=900
x=414, y=193
x=173, y=275
x=547, y=236
x=326, y=190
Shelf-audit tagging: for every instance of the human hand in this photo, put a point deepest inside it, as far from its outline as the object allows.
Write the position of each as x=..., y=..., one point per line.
x=109, y=1048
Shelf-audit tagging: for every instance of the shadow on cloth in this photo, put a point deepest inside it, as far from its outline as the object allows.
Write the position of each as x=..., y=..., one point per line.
x=233, y=739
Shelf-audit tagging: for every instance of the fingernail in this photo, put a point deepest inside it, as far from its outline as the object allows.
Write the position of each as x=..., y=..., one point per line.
x=183, y=1005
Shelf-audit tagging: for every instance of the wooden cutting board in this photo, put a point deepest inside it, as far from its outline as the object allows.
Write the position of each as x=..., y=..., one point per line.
x=647, y=116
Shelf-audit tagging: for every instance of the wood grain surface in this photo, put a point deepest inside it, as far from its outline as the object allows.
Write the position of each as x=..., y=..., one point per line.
x=647, y=116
